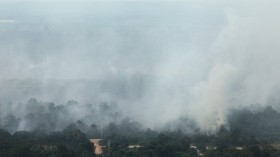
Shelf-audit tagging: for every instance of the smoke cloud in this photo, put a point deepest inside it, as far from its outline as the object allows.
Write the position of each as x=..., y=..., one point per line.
x=158, y=60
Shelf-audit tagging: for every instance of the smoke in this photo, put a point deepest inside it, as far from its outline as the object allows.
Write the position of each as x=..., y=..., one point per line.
x=158, y=60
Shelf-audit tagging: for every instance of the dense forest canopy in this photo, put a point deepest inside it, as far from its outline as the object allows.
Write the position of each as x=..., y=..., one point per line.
x=260, y=123
x=255, y=131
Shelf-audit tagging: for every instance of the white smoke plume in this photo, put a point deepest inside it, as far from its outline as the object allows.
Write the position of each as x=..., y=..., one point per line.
x=159, y=60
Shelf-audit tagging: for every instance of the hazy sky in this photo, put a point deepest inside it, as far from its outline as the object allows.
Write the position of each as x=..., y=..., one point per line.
x=185, y=58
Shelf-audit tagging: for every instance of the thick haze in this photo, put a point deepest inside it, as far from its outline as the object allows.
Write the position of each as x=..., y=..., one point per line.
x=159, y=60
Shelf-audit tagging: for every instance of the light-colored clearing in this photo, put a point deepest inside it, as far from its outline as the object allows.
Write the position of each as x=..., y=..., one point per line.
x=97, y=147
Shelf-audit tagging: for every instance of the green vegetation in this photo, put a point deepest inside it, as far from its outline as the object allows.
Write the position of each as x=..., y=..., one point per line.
x=71, y=142
x=264, y=124
x=249, y=133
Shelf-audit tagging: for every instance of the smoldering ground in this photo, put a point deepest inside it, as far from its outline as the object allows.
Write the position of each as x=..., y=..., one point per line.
x=158, y=60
